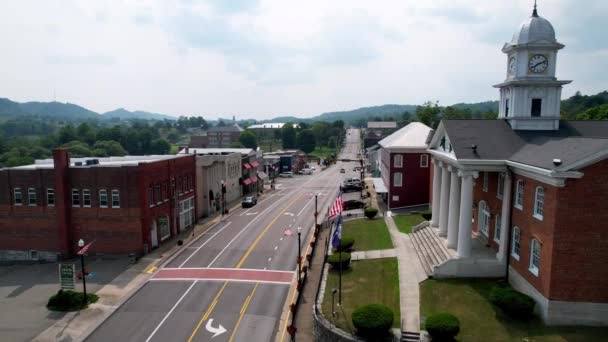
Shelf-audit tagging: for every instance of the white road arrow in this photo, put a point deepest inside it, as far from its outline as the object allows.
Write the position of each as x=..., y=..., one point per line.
x=255, y=213
x=289, y=214
x=215, y=331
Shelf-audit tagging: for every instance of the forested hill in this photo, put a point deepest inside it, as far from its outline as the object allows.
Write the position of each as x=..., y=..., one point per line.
x=349, y=116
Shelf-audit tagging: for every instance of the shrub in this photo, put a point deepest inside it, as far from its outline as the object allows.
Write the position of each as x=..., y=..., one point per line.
x=427, y=214
x=346, y=244
x=69, y=301
x=442, y=326
x=512, y=302
x=334, y=260
x=372, y=320
x=371, y=212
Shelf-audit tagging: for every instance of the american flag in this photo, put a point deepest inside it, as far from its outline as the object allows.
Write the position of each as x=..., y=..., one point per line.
x=336, y=208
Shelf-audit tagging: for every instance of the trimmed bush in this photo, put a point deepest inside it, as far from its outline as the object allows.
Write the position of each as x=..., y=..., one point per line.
x=70, y=301
x=513, y=303
x=442, y=326
x=334, y=260
x=371, y=212
x=427, y=214
x=346, y=244
x=372, y=320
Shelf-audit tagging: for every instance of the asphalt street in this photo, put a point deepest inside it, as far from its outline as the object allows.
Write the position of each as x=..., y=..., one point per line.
x=231, y=284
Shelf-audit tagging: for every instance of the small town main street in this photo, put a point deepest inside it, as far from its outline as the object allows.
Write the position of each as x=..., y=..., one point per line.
x=231, y=283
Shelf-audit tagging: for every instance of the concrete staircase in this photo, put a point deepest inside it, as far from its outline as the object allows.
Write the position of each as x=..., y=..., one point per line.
x=430, y=249
x=410, y=336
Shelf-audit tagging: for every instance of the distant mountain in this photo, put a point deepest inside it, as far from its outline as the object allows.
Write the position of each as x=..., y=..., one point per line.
x=124, y=114
x=367, y=113
x=488, y=106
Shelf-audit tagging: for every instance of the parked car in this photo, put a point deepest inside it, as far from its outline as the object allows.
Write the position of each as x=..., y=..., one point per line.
x=342, y=171
x=249, y=201
x=287, y=174
x=352, y=188
x=353, y=204
x=306, y=172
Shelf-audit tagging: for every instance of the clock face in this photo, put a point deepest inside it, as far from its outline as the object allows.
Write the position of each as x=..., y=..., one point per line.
x=538, y=64
x=512, y=65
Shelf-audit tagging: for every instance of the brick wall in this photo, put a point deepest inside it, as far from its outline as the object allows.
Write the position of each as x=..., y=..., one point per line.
x=415, y=181
x=494, y=205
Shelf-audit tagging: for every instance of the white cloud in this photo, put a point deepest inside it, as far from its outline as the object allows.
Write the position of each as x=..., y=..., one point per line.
x=271, y=57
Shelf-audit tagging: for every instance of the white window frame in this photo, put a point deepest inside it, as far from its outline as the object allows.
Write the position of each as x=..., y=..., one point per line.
x=395, y=198
x=539, y=203
x=484, y=186
x=483, y=215
x=516, y=243
x=534, y=247
x=424, y=160
x=164, y=235
x=500, y=190
x=519, y=194
x=31, y=194
x=50, y=193
x=76, y=198
x=497, y=228
x=117, y=193
x=85, y=193
x=151, y=195
x=400, y=184
x=398, y=157
x=104, y=193
x=20, y=196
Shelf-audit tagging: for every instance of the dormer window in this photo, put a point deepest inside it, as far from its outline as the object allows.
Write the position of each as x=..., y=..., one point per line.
x=536, y=107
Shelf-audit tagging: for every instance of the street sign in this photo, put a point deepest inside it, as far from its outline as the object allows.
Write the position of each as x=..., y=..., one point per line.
x=84, y=249
x=66, y=276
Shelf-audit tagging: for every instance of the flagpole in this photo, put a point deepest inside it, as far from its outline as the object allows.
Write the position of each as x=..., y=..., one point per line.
x=340, y=274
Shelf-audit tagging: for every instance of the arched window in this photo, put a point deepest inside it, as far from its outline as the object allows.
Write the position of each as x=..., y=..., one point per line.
x=497, y=224
x=539, y=202
x=483, y=218
x=534, y=257
x=515, y=243
x=519, y=194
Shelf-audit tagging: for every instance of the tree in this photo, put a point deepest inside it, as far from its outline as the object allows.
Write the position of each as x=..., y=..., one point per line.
x=159, y=146
x=288, y=135
x=78, y=149
x=85, y=133
x=303, y=125
x=596, y=113
x=306, y=141
x=107, y=148
x=66, y=134
x=248, y=139
x=490, y=115
x=427, y=113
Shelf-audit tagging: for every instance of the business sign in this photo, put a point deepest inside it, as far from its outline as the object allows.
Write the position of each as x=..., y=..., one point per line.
x=66, y=276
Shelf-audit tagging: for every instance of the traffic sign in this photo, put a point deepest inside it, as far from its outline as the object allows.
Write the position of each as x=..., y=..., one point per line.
x=66, y=276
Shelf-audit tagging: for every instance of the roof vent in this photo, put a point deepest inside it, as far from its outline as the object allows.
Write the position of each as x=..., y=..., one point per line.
x=557, y=162
x=78, y=163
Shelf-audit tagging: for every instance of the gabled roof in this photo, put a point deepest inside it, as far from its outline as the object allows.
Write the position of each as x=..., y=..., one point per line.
x=229, y=128
x=411, y=137
x=382, y=124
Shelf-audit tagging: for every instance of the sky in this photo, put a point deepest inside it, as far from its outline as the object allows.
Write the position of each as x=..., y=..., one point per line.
x=268, y=58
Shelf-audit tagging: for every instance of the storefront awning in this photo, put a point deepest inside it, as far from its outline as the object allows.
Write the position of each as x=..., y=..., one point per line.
x=254, y=163
x=246, y=165
x=253, y=179
x=379, y=185
x=262, y=175
x=247, y=181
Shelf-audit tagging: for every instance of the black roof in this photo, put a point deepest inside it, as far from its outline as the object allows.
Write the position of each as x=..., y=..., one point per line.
x=495, y=139
x=230, y=128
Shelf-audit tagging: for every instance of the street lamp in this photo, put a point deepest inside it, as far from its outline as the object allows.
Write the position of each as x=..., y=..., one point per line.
x=333, y=299
x=299, y=255
x=84, y=282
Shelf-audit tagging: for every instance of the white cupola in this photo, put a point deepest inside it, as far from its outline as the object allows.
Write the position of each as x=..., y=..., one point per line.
x=531, y=94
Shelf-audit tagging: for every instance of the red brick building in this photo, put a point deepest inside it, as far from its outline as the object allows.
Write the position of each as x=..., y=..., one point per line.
x=404, y=167
x=125, y=204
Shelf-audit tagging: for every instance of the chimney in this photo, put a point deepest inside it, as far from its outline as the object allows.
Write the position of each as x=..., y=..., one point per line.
x=61, y=166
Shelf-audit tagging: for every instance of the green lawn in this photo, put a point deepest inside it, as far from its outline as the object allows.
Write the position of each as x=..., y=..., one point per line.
x=406, y=222
x=365, y=282
x=480, y=321
x=368, y=234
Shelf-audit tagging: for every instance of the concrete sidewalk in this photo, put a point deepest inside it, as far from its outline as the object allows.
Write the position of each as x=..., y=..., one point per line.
x=376, y=254
x=76, y=326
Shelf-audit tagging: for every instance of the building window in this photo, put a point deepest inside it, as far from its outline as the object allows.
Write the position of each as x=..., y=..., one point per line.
x=191, y=182
x=157, y=193
x=485, y=182
x=501, y=185
x=163, y=224
x=397, y=179
x=75, y=198
x=539, y=202
x=497, y=229
x=534, y=257
x=179, y=185
x=398, y=161
x=31, y=197
x=186, y=213
x=519, y=195
x=484, y=218
x=536, y=107
x=50, y=197
x=507, y=108
x=103, y=198
x=165, y=198
x=424, y=160
x=115, y=199
x=86, y=198
x=17, y=197
x=150, y=196
x=515, y=240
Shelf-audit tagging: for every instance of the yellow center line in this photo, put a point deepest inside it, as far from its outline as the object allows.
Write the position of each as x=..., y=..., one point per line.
x=243, y=309
x=239, y=265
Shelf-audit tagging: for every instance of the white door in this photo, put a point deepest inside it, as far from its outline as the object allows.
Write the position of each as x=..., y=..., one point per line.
x=154, y=234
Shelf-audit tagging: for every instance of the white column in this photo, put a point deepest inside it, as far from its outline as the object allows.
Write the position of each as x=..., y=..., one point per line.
x=445, y=201
x=454, y=210
x=436, y=192
x=466, y=213
x=505, y=218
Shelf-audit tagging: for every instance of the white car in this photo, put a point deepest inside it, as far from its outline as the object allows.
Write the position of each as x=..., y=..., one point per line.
x=287, y=174
x=306, y=171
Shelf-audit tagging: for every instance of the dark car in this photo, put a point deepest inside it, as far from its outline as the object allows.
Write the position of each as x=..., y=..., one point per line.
x=353, y=204
x=342, y=171
x=249, y=201
x=351, y=188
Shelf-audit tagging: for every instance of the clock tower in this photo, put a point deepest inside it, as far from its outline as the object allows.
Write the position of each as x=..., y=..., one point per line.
x=530, y=95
